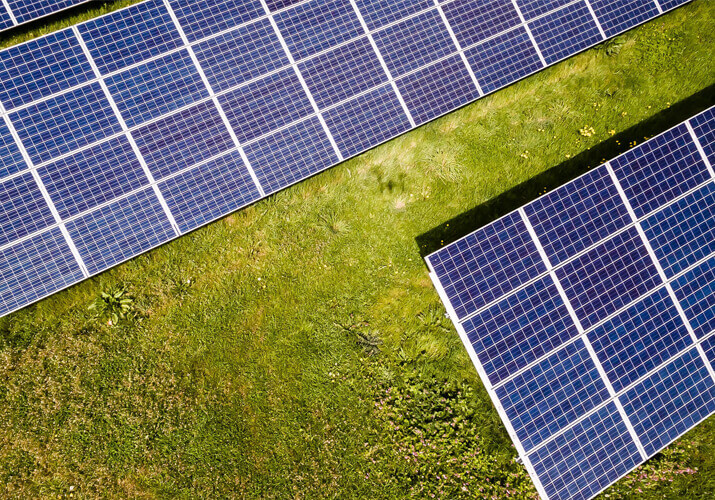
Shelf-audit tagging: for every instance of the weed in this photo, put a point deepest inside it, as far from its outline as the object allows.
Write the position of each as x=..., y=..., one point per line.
x=113, y=305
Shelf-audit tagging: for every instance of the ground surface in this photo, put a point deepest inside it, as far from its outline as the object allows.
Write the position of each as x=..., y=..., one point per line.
x=297, y=349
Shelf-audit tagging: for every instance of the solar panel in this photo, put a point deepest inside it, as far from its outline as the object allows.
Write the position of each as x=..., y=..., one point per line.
x=589, y=313
x=130, y=129
x=16, y=12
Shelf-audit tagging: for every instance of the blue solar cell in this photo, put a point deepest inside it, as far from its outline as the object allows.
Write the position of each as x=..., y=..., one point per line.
x=487, y=264
x=208, y=17
x=671, y=4
x=183, y=139
x=11, y=159
x=608, y=277
x=35, y=268
x=240, y=55
x=437, y=89
x=671, y=401
x=684, y=232
x=414, y=42
x=264, y=105
x=274, y=5
x=695, y=291
x=378, y=13
x=533, y=8
x=552, y=394
x=709, y=347
x=577, y=215
x=27, y=10
x=520, y=329
x=616, y=16
x=23, y=210
x=42, y=67
x=209, y=191
x=66, y=122
x=475, y=20
x=366, y=121
x=318, y=25
x=5, y=21
x=640, y=338
x=129, y=36
x=565, y=32
x=504, y=59
x=92, y=176
x=290, y=155
x=704, y=128
x=342, y=73
x=156, y=88
x=120, y=230
x=586, y=458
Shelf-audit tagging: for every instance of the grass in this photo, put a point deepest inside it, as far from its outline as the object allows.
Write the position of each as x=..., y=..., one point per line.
x=296, y=349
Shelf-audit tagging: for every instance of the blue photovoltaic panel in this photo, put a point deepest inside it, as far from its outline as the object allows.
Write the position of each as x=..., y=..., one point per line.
x=314, y=26
x=66, y=122
x=414, y=42
x=704, y=128
x=42, y=67
x=670, y=401
x=683, y=233
x=23, y=210
x=608, y=277
x=120, y=230
x=660, y=170
x=183, y=139
x=567, y=380
x=695, y=291
x=475, y=20
x=367, y=120
x=342, y=73
x=5, y=20
x=504, y=59
x=156, y=88
x=274, y=5
x=378, y=13
x=578, y=215
x=565, y=32
x=130, y=36
x=290, y=155
x=34, y=268
x=209, y=191
x=92, y=176
x=642, y=337
x=28, y=10
x=709, y=348
x=261, y=106
x=671, y=4
x=240, y=55
x=616, y=16
x=523, y=327
x=437, y=89
x=208, y=17
x=533, y=8
x=587, y=457
x=487, y=264
x=11, y=160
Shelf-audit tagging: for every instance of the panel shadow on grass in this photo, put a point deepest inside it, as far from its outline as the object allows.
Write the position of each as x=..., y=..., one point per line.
x=481, y=215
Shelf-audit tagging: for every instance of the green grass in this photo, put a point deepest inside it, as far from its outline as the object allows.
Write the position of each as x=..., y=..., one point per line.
x=295, y=349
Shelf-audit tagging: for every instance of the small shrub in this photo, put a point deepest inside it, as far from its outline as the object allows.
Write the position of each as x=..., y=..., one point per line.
x=113, y=305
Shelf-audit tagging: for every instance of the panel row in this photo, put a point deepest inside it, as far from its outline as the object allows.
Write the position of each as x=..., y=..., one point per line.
x=16, y=12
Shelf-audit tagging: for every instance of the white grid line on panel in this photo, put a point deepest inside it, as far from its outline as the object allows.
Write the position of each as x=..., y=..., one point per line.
x=45, y=195
x=214, y=99
x=382, y=63
x=529, y=33
x=298, y=73
x=128, y=134
x=10, y=12
x=583, y=336
x=462, y=55
x=657, y=5
x=699, y=146
x=595, y=19
x=661, y=273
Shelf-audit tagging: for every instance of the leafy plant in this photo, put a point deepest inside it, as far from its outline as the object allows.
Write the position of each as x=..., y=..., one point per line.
x=613, y=46
x=114, y=305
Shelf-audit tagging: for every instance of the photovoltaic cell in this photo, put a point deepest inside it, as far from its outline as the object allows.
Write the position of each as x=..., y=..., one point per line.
x=695, y=291
x=274, y=5
x=475, y=20
x=378, y=13
x=670, y=401
x=660, y=170
x=208, y=17
x=578, y=215
x=704, y=128
x=637, y=340
x=11, y=160
x=684, y=232
x=437, y=89
x=42, y=67
x=28, y=10
x=534, y=8
x=709, y=348
x=616, y=16
x=671, y=4
x=522, y=327
x=5, y=20
x=22, y=208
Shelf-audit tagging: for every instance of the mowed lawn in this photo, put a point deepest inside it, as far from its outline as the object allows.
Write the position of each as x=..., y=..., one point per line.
x=297, y=349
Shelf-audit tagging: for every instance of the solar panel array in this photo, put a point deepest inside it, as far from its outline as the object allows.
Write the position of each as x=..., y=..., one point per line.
x=128, y=130
x=590, y=312
x=16, y=12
